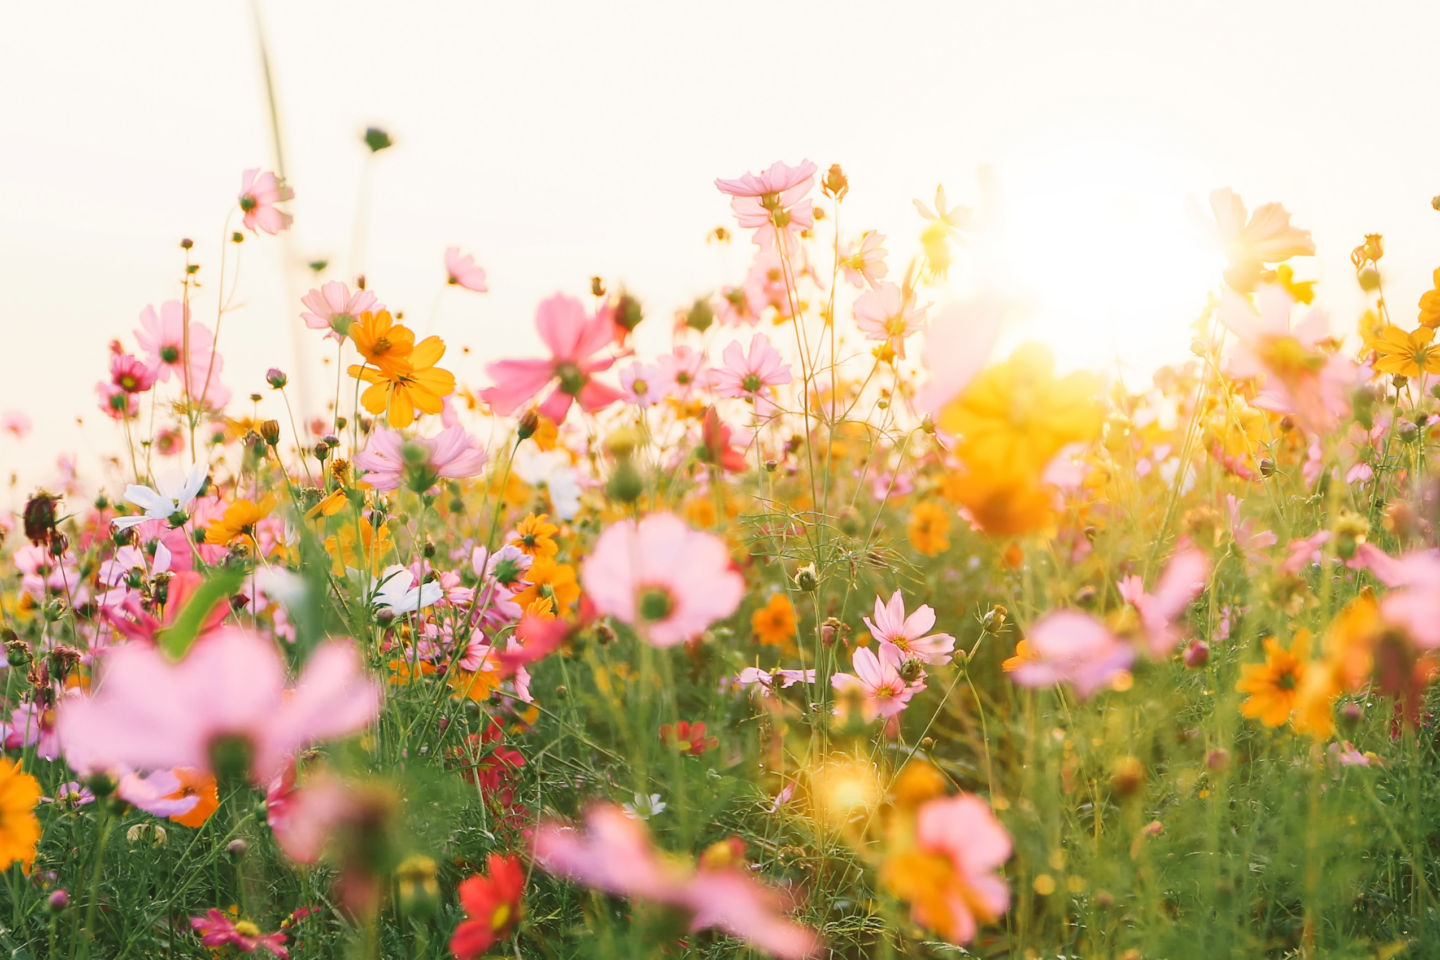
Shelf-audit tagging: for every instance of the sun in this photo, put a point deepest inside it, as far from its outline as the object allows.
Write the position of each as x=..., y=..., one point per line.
x=1095, y=241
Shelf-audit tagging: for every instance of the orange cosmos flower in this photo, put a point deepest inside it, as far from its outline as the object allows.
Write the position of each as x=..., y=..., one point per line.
x=19, y=828
x=929, y=524
x=195, y=783
x=239, y=520
x=406, y=386
x=774, y=623
x=1274, y=685
x=535, y=535
x=382, y=342
x=549, y=579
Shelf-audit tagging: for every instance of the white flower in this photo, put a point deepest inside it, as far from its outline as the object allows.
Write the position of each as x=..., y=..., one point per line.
x=177, y=491
x=552, y=470
x=645, y=807
x=398, y=591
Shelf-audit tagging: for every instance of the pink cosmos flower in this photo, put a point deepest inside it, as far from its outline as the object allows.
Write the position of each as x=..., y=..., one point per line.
x=334, y=308
x=957, y=347
x=680, y=373
x=390, y=458
x=43, y=575
x=886, y=313
x=115, y=403
x=766, y=681
x=1070, y=647
x=16, y=423
x=303, y=818
x=149, y=713
x=642, y=384
x=773, y=201
x=661, y=577
x=162, y=337
x=1250, y=543
x=908, y=634
x=573, y=339
x=463, y=272
x=1414, y=602
x=741, y=305
x=964, y=831
x=151, y=793
x=31, y=725
x=130, y=373
x=877, y=683
x=218, y=930
x=259, y=193
x=746, y=375
x=614, y=854
x=1267, y=237
x=864, y=260
x=1183, y=581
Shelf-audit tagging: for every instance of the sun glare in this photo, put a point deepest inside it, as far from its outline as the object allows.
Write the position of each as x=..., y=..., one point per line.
x=1092, y=239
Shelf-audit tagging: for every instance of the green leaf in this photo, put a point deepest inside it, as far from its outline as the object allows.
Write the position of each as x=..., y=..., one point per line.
x=176, y=639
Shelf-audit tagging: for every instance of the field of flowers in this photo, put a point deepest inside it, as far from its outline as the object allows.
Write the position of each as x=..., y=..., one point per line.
x=827, y=632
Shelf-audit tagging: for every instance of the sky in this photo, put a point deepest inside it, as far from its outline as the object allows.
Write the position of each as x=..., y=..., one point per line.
x=556, y=141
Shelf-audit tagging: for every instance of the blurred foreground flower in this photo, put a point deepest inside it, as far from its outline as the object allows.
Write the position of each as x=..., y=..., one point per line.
x=574, y=339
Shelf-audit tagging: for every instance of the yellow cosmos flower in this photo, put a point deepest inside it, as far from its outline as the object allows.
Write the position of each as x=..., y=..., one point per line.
x=1430, y=304
x=375, y=545
x=382, y=342
x=402, y=388
x=535, y=535
x=19, y=827
x=774, y=623
x=329, y=506
x=1274, y=685
x=239, y=520
x=1016, y=415
x=929, y=524
x=1407, y=353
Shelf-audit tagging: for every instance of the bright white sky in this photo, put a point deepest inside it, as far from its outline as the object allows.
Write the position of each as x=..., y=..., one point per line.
x=560, y=140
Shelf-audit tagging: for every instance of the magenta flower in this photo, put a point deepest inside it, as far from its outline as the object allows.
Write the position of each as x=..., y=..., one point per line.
x=129, y=373
x=573, y=339
x=229, y=692
x=335, y=308
x=746, y=375
x=218, y=930
x=908, y=634
x=390, y=459
x=463, y=272
x=614, y=854
x=1183, y=580
x=16, y=423
x=259, y=192
x=162, y=337
x=667, y=581
x=643, y=384
x=964, y=831
x=772, y=203
x=864, y=262
x=876, y=683
x=681, y=372
x=1070, y=647
x=887, y=313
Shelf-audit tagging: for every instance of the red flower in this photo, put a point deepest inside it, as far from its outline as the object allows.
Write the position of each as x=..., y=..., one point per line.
x=493, y=905
x=688, y=738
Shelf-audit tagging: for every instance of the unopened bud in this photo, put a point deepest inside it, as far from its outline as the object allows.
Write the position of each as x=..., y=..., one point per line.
x=529, y=423
x=1218, y=760
x=1199, y=347
x=625, y=484
x=59, y=899
x=270, y=431
x=994, y=619
x=700, y=315
x=276, y=377
x=835, y=184
x=1128, y=776
x=1369, y=279
x=377, y=139
x=1351, y=714
x=236, y=849
x=186, y=244
x=1407, y=431
x=1267, y=467
x=1197, y=654
x=628, y=312
x=597, y=286
x=927, y=424
x=807, y=578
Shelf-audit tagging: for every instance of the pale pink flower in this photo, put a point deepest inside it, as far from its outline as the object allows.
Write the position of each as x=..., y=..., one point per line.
x=151, y=792
x=877, y=683
x=1070, y=647
x=957, y=347
x=741, y=305
x=964, y=831
x=746, y=375
x=31, y=726
x=887, y=313
x=1415, y=603
x=1250, y=544
x=1267, y=237
x=614, y=854
x=43, y=575
x=908, y=635
x=162, y=337
x=115, y=403
x=643, y=384
x=864, y=260
x=661, y=577
x=680, y=372
x=259, y=193
x=462, y=271
x=303, y=818
x=573, y=339
x=218, y=930
x=149, y=713
x=334, y=308
x=1182, y=581
x=765, y=682
x=16, y=423
x=390, y=459
x=773, y=201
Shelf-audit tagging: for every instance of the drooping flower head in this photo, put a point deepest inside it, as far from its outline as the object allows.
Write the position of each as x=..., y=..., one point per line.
x=667, y=581
x=574, y=340
x=259, y=194
x=462, y=271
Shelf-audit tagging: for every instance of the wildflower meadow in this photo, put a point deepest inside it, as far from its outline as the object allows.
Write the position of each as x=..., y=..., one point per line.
x=833, y=630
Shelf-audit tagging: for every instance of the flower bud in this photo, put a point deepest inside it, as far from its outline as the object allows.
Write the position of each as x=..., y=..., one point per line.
x=40, y=517
x=700, y=315
x=17, y=652
x=322, y=450
x=529, y=423
x=625, y=484
x=1351, y=714
x=186, y=244
x=377, y=140
x=597, y=286
x=1218, y=760
x=1267, y=467
x=276, y=377
x=236, y=849
x=1197, y=654
x=927, y=424
x=58, y=900
x=835, y=184
x=1128, y=776
x=270, y=432
x=994, y=619
x=628, y=313
x=1407, y=431
x=1369, y=279
x=1199, y=347
x=807, y=578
